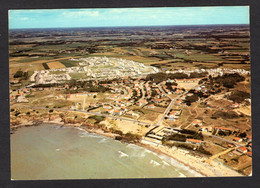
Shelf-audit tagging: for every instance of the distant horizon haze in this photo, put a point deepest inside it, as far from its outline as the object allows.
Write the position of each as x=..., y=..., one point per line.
x=130, y=26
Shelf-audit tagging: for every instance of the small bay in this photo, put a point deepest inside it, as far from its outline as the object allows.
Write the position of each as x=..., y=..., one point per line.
x=53, y=152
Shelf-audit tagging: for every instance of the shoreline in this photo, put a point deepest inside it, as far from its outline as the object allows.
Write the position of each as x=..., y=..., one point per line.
x=182, y=156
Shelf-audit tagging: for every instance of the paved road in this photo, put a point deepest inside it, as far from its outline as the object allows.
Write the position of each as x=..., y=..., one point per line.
x=172, y=102
x=160, y=88
x=223, y=139
x=142, y=89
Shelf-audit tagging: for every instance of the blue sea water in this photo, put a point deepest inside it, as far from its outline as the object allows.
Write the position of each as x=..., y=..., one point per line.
x=54, y=152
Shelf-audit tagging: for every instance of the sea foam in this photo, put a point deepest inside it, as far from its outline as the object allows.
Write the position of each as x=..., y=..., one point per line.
x=122, y=154
x=154, y=163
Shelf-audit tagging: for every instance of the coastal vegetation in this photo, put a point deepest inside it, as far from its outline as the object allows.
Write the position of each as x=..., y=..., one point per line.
x=238, y=96
x=229, y=80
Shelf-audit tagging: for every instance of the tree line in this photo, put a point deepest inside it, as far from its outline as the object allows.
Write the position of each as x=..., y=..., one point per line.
x=161, y=76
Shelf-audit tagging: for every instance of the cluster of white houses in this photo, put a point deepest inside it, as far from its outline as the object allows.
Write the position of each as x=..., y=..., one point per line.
x=212, y=72
x=45, y=77
x=94, y=68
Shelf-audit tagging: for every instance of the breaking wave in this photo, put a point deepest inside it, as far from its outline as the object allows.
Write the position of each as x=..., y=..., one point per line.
x=154, y=163
x=103, y=140
x=122, y=154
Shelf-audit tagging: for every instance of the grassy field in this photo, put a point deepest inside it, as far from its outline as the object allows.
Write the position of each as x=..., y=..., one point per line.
x=69, y=63
x=55, y=65
x=33, y=60
x=77, y=76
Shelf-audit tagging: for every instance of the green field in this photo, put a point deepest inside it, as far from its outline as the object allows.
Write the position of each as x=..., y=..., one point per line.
x=69, y=63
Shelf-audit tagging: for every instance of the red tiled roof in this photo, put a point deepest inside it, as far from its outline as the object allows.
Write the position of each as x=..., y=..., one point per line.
x=243, y=148
x=197, y=121
x=178, y=101
x=194, y=140
x=237, y=138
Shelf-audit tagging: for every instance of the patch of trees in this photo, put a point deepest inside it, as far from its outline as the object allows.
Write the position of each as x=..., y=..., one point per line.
x=161, y=46
x=45, y=66
x=21, y=74
x=17, y=113
x=73, y=83
x=171, y=84
x=242, y=135
x=98, y=119
x=47, y=85
x=229, y=80
x=177, y=76
x=115, y=131
x=191, y=99
x=238, y=96
x=182, y=137
x=92, y=49
x=177, y=137
x=223, y=133
x=157, y=77
x=57, y=42
x=126, y=44
x=198, y=75
x=197, y=136
x=225, y=115
x=18, y=74
x=97, y=89
x=187, y=131
x=201, y=149
x=105, y=82
x=130, y=137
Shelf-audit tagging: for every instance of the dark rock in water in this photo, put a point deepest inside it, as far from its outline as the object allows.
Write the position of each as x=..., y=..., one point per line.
x=37, y=123
x=118, y=137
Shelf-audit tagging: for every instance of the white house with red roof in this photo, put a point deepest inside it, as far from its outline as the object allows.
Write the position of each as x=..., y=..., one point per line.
x=242, y=149
x=235, y=105
x=237, y=139
x=178, y=102
x=118, y=112
x=197, y=122
x=157, y=100
x=151, y=106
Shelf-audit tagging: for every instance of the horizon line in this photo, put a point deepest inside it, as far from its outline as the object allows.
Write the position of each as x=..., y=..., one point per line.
x=127, y=26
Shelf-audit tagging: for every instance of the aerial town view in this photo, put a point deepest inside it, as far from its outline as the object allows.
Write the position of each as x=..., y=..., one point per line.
x=95, y=97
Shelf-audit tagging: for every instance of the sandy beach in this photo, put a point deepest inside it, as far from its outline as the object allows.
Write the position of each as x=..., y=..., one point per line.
x=214, y=169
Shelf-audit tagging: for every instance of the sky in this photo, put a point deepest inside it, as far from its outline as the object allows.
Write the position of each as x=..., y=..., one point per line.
x=108, y=17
